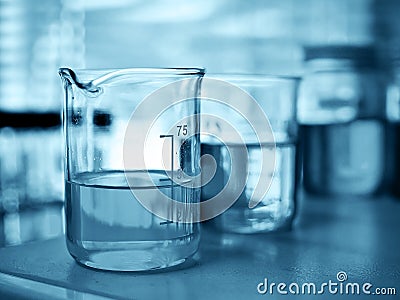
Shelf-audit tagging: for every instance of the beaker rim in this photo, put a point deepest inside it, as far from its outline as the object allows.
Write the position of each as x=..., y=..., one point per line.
x=253, y=76
x=143, y=70
x=90, y=79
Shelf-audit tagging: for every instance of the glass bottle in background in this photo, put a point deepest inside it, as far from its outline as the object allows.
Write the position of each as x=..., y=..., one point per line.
x=36, y=38
x=31, y=185
x=343, y=132
x=393, y=142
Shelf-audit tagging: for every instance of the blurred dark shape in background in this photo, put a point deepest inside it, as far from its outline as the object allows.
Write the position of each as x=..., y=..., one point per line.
x=387, y=41
x=342, y=110
x=30, y=176
x=36, y=37
x=350, y=48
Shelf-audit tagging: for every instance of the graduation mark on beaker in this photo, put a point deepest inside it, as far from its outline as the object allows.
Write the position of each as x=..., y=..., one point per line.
x=171, y=136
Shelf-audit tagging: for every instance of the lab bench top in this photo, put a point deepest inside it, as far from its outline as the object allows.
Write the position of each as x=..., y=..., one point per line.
x=357, y=236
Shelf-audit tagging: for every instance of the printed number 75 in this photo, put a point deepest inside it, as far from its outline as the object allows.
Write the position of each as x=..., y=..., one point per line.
x=182, y=129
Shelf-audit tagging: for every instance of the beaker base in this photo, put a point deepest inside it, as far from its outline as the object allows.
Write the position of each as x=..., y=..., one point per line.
x=153, y=255
x=245, y=221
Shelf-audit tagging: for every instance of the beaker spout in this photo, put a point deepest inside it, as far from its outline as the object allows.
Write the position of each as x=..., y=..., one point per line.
x=69, y=77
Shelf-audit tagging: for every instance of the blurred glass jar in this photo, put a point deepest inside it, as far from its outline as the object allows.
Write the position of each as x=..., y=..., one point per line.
x=342, y=113
x=31, y=180
x=393, y=116
x=36, y=37
x=30, y=160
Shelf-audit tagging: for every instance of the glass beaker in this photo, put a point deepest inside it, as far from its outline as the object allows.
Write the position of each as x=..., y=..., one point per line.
x=276, y=97
x=131, y=134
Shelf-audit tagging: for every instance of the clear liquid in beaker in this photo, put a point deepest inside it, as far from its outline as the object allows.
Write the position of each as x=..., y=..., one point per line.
x=276, y=209
x=108, y=228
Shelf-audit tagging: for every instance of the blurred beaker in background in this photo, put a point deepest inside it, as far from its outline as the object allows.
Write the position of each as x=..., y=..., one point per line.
x=276, y=96
x=36, y=38
x=342, y=112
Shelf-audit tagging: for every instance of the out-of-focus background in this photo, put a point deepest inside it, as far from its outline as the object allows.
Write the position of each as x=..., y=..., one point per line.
x=347, y=54
x=352, y=45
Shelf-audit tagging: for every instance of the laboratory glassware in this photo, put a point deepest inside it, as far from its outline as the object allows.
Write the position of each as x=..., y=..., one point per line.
x=109, y=173
x=276, y=97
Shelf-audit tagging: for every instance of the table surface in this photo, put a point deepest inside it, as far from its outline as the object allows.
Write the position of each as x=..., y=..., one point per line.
x=357, y=236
